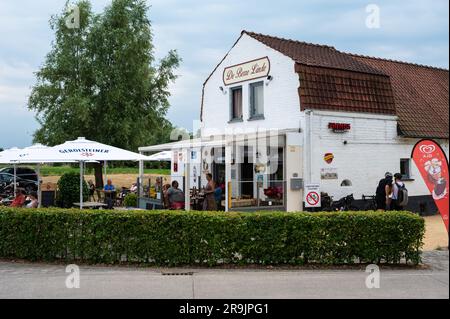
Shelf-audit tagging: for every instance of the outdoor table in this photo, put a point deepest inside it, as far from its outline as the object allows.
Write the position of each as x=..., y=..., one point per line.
x=127, y=208
x=110, y=198
x=92, y=205
x=110, y=194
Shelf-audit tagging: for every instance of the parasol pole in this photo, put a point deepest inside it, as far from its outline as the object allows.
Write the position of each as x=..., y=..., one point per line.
x=81, y=184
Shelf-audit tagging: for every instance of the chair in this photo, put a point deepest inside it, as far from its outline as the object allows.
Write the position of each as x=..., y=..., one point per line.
x=121, y=197
x=99, y=195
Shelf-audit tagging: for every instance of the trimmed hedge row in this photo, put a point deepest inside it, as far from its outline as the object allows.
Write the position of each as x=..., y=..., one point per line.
x=210, y=238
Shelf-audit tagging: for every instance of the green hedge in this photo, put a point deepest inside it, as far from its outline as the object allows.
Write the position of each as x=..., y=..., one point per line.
x=194, y=238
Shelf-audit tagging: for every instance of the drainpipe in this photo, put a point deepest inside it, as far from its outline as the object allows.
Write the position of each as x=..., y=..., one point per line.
x=310, y=143
x=311, y=116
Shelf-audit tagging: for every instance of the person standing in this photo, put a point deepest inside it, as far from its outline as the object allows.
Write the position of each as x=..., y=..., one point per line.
x=383, y=192
x=91, y=190
x=210, y=201
x=399, y=193
x=218, y=197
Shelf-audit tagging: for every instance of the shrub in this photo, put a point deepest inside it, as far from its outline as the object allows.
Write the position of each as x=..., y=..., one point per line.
x=69, y=190
x=194, y=238
x=130, y=200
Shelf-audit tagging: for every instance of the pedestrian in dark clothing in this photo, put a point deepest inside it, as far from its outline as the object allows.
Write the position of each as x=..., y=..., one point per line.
x=383, y=192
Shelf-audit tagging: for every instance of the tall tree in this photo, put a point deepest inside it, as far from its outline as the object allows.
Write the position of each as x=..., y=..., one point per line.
x=61, y=95
x=101, y=80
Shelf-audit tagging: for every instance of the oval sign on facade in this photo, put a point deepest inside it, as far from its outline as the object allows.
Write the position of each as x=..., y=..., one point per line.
x=246, y=71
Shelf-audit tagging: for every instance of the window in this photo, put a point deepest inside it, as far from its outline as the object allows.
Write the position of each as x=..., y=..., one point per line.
x=405, y=168
x=346, y=182
x=257, y=100
x=236, y=103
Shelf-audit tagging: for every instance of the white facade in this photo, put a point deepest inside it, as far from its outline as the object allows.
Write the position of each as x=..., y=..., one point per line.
x=372, y=148
x=281, y=100
x=361, y=155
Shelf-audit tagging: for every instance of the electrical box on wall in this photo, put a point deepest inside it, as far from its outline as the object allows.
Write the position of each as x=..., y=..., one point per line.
x=296, y=184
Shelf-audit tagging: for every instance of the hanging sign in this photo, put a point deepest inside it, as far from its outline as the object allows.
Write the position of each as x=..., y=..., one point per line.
x=312, y=195
x=246, y=71
x=432, y=163
x=175, y=161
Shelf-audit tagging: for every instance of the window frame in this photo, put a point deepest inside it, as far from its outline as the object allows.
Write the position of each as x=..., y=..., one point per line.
x=251, y=108
x=407, y=175
x=231, y=105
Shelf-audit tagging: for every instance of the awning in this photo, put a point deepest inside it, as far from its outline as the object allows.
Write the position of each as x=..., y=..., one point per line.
x=161, y=156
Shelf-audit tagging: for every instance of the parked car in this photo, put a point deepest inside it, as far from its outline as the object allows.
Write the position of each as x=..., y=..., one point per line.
x=22, y=172
x=7, y=181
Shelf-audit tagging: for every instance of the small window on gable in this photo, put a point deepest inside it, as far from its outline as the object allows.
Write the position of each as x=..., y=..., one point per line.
x=236, y=103
x=256, y=99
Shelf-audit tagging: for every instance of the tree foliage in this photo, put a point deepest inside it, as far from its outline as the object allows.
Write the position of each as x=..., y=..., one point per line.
x=69, y=190
x=101, y=80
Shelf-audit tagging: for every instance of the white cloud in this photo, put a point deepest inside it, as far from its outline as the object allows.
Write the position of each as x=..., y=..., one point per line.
x=16, y=95
x=203, y=31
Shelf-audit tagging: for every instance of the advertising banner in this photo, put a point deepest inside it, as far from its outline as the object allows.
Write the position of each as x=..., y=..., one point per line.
x=432, y=163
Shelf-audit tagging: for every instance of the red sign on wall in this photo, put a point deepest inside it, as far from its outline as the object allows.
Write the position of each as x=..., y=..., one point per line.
x=432, y=163
x=339, y=127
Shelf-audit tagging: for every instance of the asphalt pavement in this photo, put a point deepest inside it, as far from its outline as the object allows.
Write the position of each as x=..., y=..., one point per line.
x=39, y=280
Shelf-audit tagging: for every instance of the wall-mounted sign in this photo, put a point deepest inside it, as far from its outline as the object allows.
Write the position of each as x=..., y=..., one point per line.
x=259, y=180
x=175, y=161
x=328, y=157
x=328, y=173
x=246, y=71
x=339, y=127
x=312, y=195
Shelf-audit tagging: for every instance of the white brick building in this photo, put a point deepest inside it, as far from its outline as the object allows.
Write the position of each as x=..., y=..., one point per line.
x=327, y=117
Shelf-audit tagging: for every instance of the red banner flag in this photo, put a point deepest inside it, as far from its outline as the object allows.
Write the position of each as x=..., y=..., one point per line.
x=432, y=163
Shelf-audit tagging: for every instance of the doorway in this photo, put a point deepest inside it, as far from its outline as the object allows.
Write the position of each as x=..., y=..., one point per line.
x=247, y=174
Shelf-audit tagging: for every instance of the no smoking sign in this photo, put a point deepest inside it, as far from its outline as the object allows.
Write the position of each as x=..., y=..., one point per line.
x=312, y=195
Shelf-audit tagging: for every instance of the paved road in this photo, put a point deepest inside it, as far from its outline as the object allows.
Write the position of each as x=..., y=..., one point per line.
x=33, y=280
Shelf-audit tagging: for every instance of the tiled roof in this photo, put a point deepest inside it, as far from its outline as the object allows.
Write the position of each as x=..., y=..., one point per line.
x=421, y=97
x=334, y=80
x=341, y=90
x=314, y=54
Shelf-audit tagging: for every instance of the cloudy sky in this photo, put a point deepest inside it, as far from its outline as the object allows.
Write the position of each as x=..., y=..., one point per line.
x=203, y=31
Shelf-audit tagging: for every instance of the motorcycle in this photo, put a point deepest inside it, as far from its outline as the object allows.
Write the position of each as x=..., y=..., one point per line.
x=344, y=204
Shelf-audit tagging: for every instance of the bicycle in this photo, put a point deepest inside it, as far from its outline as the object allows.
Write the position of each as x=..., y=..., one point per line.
x=370, y=202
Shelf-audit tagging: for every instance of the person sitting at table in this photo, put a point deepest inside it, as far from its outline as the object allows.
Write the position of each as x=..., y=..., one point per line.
x=109, y=191
x=175, y=196
x=32, y=200
x=19, y=200
x=134, y=188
